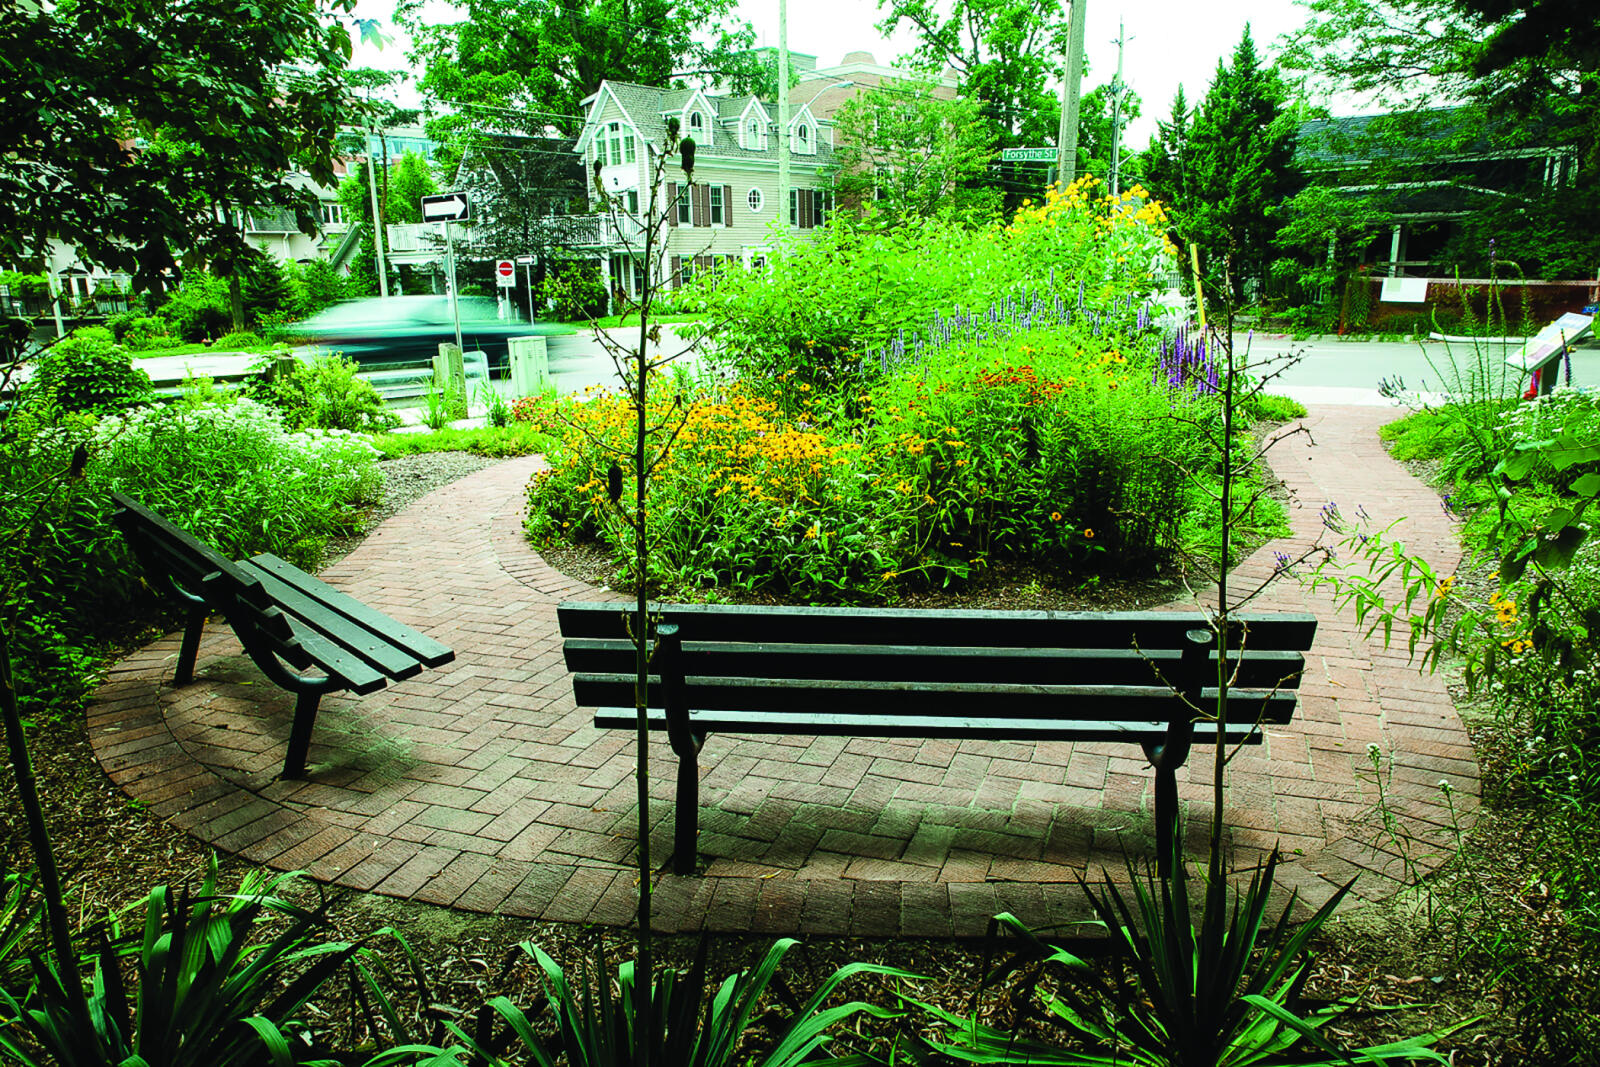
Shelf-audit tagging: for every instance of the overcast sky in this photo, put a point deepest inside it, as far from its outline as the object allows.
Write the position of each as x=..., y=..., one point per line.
x=1169, y=42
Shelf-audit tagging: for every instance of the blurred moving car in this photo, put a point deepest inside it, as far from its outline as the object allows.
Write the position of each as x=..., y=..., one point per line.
x=409, y=329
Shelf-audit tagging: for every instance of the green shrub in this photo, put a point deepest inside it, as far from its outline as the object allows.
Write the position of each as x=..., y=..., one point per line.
x=86, y=371
x=326, y=393
x=1268, y=407
x=575, y=292
x=826, y=302
x=145, y=332
x=198, y=309
x=240, y=340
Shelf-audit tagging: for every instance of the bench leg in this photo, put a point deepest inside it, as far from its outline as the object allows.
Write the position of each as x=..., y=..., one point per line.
x=1166, y=819
x=305, y=717
x=686, y=816
x=193, y=626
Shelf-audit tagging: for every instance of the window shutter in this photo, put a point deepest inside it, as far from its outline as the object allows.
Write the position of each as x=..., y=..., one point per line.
x=677, y=270
x=697, y=203
x=672, y=213
x=727, y=205
x=805, y=209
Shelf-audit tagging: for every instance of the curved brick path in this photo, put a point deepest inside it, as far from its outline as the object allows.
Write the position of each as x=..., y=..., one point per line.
x=480, y=785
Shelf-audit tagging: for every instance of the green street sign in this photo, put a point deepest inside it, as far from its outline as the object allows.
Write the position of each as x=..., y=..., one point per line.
x=1027, y=155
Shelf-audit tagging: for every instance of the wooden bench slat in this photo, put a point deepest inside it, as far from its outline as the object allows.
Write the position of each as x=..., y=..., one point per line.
x=430, y=652
x=885, y=661
x=1044, y=629
x=803, y=696
x=279, y=633
x=975, y=727
x=316, y=617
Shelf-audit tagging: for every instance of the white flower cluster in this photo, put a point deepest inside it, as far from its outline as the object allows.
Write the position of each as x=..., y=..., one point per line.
x=1547, y=415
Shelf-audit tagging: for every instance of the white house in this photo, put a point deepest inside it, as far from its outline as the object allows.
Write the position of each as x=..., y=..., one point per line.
x=729, y=210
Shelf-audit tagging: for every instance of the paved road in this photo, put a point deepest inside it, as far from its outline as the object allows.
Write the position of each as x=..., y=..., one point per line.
x=1348, y=372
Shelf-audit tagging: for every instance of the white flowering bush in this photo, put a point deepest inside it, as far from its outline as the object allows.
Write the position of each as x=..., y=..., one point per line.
x=229, y=473
x=232, y=475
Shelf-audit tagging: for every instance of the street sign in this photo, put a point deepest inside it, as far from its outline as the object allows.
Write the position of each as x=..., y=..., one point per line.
x=1027, y=155
x=505, y=273
x=446, y=207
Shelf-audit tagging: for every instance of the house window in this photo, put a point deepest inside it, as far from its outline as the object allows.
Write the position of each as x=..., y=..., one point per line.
x=755, y=134
x=716, y=206
x=794, y=207
x=614, y=140
x=695, y=121
x=821, y=206
x=803, y=133
x=684, y=193
x=755, y=200
x=633, y=201
x=333, y=214
x=758, y=262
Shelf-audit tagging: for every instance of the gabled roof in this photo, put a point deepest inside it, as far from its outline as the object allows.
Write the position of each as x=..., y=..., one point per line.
x=647, y=108
x=1423, y=135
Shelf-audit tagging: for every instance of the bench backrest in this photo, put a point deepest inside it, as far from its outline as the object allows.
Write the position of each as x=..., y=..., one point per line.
x=167, y=551
x=1058, y=665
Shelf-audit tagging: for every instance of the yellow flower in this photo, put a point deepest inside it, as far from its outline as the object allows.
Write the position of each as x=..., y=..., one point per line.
x=1055, y=516
x=1443, y=589
x=1089, y=534
x=812, y=532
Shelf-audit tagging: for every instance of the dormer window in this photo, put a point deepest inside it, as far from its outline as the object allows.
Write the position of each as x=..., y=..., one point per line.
x=696, y=121
x=802, y=133
x=755, y=134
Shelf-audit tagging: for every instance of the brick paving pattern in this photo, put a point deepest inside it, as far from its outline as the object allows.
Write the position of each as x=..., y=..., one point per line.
x=480, y=785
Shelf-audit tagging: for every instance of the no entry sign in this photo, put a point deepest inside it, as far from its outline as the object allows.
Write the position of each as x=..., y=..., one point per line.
x=505, y=273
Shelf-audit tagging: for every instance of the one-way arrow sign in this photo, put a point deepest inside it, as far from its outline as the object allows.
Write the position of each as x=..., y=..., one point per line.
x=446, y=207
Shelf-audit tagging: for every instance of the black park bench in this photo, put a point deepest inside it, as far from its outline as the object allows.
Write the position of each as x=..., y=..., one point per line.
x=988, y=675
x=305, y=635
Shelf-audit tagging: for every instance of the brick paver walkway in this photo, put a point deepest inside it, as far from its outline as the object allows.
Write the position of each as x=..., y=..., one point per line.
x=480, y=785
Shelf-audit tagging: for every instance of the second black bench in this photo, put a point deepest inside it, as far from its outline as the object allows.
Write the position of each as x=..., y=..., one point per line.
x=990, y=675
x=287, y=621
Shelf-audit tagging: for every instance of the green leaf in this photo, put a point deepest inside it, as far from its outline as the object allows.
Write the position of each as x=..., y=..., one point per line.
x=1588, y=485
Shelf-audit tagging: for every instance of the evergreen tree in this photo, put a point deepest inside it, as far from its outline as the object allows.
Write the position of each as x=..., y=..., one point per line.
x=410, y=180
x=1239, y=157
x=1166, y=159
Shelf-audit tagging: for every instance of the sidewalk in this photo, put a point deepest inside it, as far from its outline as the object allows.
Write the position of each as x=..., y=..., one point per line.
x=481, y=786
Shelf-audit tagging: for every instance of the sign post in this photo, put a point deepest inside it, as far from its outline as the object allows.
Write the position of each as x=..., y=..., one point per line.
x=448, y=208
x=505, y=273
x=528, y=261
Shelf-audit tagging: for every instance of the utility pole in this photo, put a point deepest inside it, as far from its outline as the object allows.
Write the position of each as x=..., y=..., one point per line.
x=377, y=220
x=1117, y=91
x=783, y=115
x=1067, y=138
